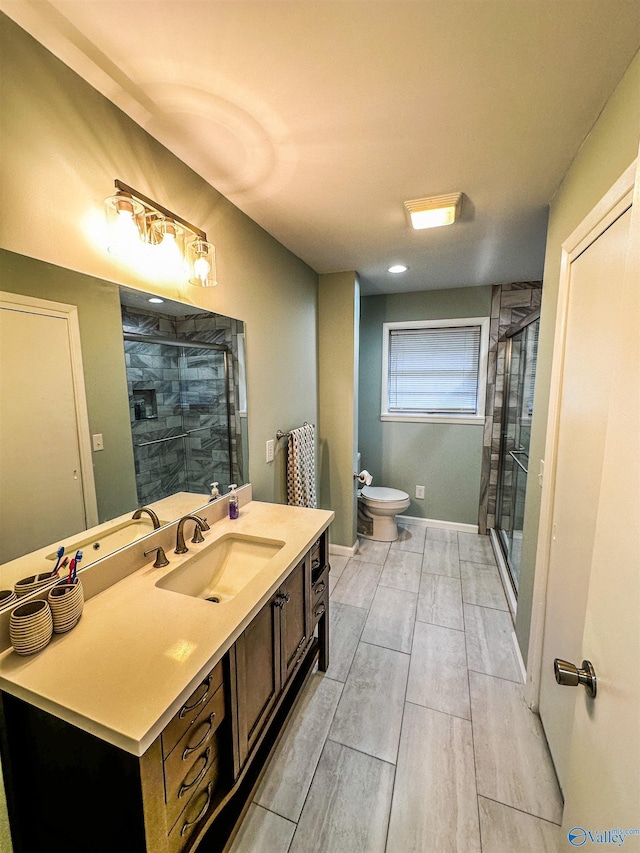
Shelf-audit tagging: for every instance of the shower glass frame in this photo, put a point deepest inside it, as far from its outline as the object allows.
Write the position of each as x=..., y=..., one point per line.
x=514, y=460
x=187, y=433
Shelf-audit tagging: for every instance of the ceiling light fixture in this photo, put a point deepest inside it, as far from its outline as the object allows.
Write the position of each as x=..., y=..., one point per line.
x=398, y=268
x=152, y=239
x=433, y=212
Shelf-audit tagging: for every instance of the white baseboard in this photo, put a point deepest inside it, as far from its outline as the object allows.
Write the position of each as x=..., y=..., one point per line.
x=343, y=550
x=443, y=525
x=523, y=669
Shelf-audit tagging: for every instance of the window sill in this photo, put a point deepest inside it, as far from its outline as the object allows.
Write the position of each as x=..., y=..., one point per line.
x=467, y=420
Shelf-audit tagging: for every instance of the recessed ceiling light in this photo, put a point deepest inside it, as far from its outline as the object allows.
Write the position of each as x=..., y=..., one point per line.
x=156, y=300
x=434, y=211
x=397, y=268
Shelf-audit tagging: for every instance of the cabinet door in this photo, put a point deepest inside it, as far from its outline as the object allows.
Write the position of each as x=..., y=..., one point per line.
x=294, y=609
x=258, y=675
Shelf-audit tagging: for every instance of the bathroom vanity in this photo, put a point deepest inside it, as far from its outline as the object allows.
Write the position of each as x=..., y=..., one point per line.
x=147, y=728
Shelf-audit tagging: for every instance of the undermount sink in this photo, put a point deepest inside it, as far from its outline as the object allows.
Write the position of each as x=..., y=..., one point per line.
x=223, y=569
x=94, y=546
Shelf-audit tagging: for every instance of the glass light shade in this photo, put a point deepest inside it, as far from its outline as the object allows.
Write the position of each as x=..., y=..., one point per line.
x=124, y=224
x=202, y=263
x=165, y=259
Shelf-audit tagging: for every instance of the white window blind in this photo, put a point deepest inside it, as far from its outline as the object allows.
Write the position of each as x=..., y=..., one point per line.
x=434, y=370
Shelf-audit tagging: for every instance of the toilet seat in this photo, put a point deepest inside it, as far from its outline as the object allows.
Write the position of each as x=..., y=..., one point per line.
x=382, y=494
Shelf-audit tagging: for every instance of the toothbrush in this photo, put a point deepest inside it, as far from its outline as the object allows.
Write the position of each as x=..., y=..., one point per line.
x=76, y=561
x=59, y=555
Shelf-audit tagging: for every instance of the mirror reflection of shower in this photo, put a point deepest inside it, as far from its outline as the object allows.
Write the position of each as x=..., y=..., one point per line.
x=520, y=372
x=183, y=380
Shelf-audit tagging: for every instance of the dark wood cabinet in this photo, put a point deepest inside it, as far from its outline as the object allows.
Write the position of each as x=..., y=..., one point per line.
x=257, y=656
x=268, y=652
x=194, y=782
x=294, y=617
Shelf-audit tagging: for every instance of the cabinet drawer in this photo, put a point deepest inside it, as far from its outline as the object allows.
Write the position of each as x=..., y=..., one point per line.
x=179, y=793
x=319, y=608
x=194, y=742
x=319, y=586
x=191, y=709
x=204, y=795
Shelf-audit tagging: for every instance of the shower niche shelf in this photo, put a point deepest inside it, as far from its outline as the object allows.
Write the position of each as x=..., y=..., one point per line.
x=145, y=405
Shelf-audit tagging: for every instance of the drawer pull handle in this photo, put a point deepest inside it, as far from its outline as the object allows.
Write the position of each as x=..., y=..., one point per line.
x=300, y=644
x=186, y=708
x=320, y=588
x=189, y=749
x=188, y=785
x=188, y=824
x=315, y=563
x=320, y=611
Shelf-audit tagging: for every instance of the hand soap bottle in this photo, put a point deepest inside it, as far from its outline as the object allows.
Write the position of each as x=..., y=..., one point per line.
x=234, y=508
x=215, y=493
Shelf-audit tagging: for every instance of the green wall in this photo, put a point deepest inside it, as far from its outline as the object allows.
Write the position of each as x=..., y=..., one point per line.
x=338, y=325
x=103, y=365
x=609, y=149
x=444, y=458
x=63, y=144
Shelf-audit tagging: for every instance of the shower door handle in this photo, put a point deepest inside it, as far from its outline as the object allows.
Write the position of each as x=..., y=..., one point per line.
x=512, y=454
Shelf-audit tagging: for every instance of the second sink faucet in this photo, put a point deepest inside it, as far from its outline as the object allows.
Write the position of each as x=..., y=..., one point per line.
x=154, y=518
x=200, y=525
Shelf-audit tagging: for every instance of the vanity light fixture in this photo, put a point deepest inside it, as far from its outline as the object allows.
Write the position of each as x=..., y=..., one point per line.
x=434, y=211
x=398, y=268
x=147, y=236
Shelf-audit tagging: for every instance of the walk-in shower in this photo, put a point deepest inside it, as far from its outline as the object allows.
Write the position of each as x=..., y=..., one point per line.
x=520, y=370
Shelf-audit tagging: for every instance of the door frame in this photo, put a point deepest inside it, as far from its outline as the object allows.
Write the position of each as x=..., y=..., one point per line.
x=610, y=207
x=69, y=313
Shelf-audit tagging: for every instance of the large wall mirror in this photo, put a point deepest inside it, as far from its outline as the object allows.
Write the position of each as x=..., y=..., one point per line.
x=164, y=397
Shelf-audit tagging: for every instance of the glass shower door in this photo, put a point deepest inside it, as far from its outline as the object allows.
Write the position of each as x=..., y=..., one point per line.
x=520, y=371
x=205, y=417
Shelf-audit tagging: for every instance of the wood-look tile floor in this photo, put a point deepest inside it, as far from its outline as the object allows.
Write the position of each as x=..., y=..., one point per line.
x=417, y=738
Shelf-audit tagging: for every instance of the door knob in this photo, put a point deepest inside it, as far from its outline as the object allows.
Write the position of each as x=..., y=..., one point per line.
x=569, y=675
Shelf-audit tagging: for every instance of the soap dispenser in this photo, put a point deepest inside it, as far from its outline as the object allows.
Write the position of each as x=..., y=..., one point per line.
x=215, y=492
x=234, y=508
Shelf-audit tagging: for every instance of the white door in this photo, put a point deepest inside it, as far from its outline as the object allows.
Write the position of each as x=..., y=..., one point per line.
x=41, y=486
x=593, y=317
x=594, y=304
x=603, y=789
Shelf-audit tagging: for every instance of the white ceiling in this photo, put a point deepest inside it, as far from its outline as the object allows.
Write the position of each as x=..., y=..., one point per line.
x=319, y=118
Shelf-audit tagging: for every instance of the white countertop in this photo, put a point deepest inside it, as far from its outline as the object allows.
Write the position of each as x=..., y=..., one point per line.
x=139, y=651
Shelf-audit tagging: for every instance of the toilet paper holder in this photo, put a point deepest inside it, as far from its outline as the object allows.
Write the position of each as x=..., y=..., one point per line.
x=363, y=477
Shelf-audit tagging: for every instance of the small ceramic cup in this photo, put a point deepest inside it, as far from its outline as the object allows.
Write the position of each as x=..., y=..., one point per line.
x=7, y=596
x=30, y=627
x=67, y=602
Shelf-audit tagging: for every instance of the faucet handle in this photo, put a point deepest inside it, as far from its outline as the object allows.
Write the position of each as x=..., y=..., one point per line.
x=161, y=558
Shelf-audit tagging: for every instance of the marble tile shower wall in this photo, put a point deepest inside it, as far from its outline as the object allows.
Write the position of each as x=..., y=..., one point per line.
x=178, y=397
x=509, y=304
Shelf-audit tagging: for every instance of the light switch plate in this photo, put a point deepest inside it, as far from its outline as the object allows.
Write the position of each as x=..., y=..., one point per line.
x=98, y=443
x=270, y=450
x=420, y=492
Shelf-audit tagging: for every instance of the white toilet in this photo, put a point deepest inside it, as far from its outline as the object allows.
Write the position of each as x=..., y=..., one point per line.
x=377, y=510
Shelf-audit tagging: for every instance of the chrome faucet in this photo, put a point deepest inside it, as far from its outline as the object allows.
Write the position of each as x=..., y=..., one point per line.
x=200, y=525
x=154, y=518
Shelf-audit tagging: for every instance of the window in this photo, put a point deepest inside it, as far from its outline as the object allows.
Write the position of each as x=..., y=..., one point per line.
x=435, y=370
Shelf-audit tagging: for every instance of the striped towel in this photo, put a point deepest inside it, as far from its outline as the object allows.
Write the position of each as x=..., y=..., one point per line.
x=301, y=467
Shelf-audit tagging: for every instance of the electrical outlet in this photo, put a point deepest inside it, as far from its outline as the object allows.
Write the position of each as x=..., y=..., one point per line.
x=98, y=443
x=420, y=492
x=270, y=450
